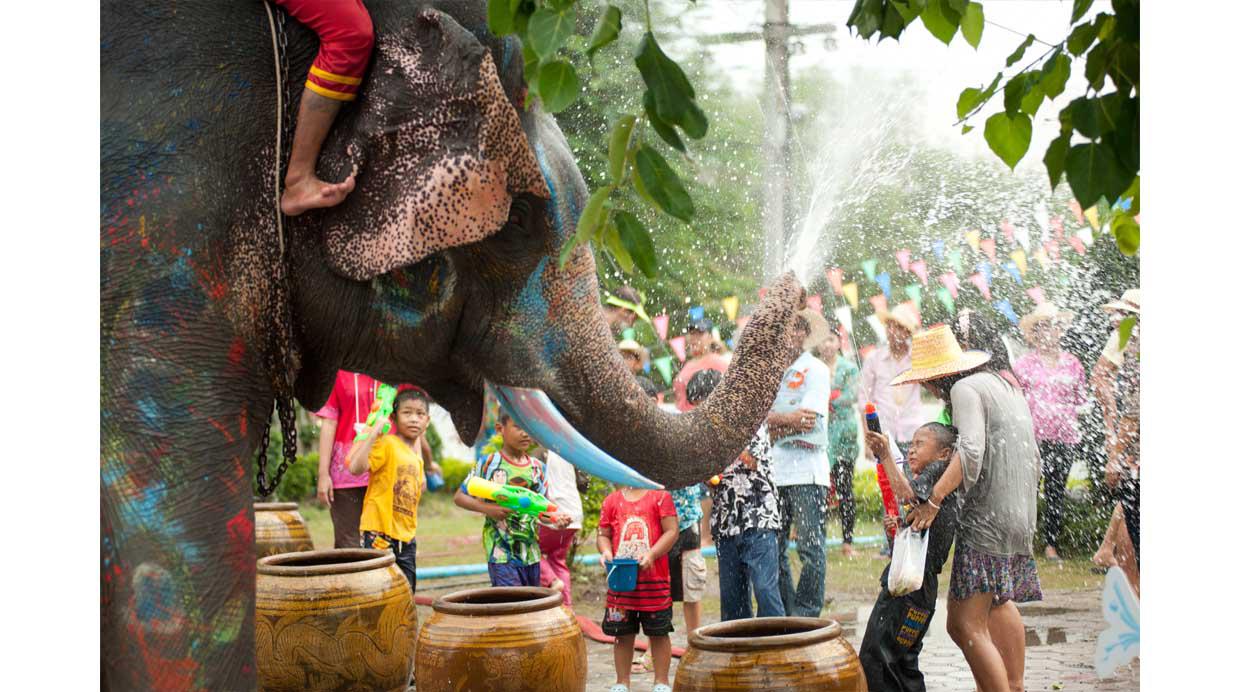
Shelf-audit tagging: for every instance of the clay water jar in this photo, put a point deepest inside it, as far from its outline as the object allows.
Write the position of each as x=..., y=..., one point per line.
x=502, y=639
x=770, y=654
x=334, y=620
x=279, y=528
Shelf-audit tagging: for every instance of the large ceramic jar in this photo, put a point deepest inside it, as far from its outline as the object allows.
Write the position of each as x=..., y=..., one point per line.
x=279, y=528
x=770, y=654
x=504, y=639
x=334, y=620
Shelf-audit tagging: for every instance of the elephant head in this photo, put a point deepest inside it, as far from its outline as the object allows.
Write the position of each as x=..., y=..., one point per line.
x=441, y=267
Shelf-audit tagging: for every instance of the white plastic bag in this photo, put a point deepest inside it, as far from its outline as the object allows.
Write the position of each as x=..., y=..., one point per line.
x=908, y=561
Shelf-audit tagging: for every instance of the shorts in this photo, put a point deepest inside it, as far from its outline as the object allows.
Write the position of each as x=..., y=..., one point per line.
x=687, y=567
x=618, y=622
x=514, y=574
x=406, y=553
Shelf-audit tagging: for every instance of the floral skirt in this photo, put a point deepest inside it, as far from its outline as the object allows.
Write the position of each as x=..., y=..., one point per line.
x=1006, y=577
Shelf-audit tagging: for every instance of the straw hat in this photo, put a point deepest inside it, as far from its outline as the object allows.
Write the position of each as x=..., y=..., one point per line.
x=902, y=315
x=937, y=354
x=1129, y=302
x=818, y=329
x=1042, y=313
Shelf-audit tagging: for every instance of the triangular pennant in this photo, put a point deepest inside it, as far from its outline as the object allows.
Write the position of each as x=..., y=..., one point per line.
x=660, y=325
x=879, y=302
x=988, y=247
x=1036, y=295
x=629, y=333
x=986, y=270
x=982, y=284
x=879, y=330
x=913, y=291
x=1043, y=259
x=973, y=238
x=916, y=310
x=1077, y=245
x=1005, y=308
x=1009, y=231
x=678, y=347
x=1013, y=271
x=945, y=297
x=951, y=282
x=919, y=268
x=1022, y=263
x=1092, y=214
x=844, y=314
x=664, y=364
x=835, y=276
x=850, y=294
x=869, y=267
x=902, y=257
x=730, y=305
x=1075, y=206
x=955, y=258
x=1052, y=249
x=884, y=282
x=1086, y=235
x=938, y=246
x=696, y=313
x=1057, y=226
x=1022, y=236
x=814, y=303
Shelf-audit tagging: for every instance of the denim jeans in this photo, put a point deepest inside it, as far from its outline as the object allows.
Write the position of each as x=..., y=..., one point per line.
x=749, y=557
x=803, y=506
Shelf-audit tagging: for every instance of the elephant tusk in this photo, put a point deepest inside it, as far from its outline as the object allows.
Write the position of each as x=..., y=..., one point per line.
x=533, y=410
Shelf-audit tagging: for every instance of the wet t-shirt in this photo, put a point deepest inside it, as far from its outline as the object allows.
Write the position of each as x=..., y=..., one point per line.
x=514, y=539
x=635, y=528
x=942, y=531
x=391, y=503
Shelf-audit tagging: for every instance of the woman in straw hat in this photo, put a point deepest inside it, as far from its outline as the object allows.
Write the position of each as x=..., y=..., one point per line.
x=1054, y=384
x=997, y=468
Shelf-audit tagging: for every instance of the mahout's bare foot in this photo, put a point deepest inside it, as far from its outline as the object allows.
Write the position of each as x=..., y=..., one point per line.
x=308, y=193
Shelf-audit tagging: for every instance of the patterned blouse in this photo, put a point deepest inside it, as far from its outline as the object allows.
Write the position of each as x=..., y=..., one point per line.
x=688, y=503
x=746, y=498
x=842, y=423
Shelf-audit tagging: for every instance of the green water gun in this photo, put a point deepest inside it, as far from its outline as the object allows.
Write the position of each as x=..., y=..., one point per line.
x=520, y=500
x=385, y=397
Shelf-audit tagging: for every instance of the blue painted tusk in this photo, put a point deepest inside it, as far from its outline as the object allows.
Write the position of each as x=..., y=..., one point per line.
x=533, y=411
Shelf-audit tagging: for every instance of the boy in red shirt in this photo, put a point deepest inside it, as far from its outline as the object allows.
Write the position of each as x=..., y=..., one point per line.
x=640, y=524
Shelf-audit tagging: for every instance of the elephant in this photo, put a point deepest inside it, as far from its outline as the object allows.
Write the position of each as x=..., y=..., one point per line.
x=441, y=268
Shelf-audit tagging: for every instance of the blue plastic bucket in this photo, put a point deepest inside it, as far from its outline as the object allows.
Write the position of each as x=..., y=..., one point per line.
x=434, y=481
x=622, y=574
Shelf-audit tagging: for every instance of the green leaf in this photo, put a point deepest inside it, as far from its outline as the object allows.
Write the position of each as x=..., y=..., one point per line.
x=664, y=130
x=664, y=78
x=637, y=242
x=894, y=22
x=606, y=31
x=548, y=30
x=1014, y=91
x=1056, y=158
x=567, y=250
x=694, y=122
x=1094, y=172
x=1125, y=330
x=1055, y=75
x=908, y=9
x=966, y=129
x=1032, y=100
x=611, y=239
x=1096, y=64
x=971, y=24
x=618, y=147
x=1081, y=38
x=1127, y=233
x=1020, y=50
x=940, y=20
x=971, y=98
x=1079, y=8
x=664, y=186
x=866, y=17
x=500, y=15
x=589, y=223
x=558, y=85
x=1009, y=136
x=1134, y=193
x=1086, y=116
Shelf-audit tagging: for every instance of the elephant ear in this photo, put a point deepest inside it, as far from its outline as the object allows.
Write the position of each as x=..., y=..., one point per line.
x=437, y=146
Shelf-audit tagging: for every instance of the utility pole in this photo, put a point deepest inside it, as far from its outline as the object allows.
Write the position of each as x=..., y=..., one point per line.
x=776, y=99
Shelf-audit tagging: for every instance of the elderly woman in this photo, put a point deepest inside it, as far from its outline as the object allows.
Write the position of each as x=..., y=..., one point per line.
x=1054, y=384
x=996, y=467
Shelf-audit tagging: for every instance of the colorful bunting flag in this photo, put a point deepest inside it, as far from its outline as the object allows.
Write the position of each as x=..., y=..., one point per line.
x=902, y=257
x=1022, y=263
x=973, y=238
x=869, y=267
x=1077, y=245
x=879, y=302
x=945, y=297
x=884, y=282
x=879, y=330
x=1092, y=214
x=1057, y=226
x=850, y=294
x=1075, y=206
x=835, y=275
x=916, y=311
x=913, y=291
x=696, y=313
x=814, y=303
x=714, y=332
x=982, y=284
x=951, y=282
x=1036, y=295
x=844, y=314
x=955, y=259
x=629, y=333
x=1052, y=249
x=1042, y=258
x=678, y=347
x=1086, y=235
x=988, y=247
x=1013, y=271
x=730, y=305
x=919, y=268
x=1005, y=308
x=762, y=293
x=1022, y=236
x=986, y=270
x=938, y=246
x=664, y=364
x=1009, y=231
x=660, y=325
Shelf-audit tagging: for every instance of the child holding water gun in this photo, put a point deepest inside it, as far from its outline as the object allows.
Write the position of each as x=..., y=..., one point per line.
x=510, y=538
x=390, y=507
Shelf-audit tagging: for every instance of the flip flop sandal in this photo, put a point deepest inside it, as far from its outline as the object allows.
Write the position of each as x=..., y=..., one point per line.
x=661, y=688
x=619, y=688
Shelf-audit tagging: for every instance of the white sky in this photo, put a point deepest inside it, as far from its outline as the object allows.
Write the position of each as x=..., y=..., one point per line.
x=943, y=70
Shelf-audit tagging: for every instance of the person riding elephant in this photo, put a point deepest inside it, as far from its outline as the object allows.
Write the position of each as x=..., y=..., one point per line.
x=440, y=267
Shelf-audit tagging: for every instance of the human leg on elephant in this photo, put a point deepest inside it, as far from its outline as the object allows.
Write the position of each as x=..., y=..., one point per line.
x=346, y=38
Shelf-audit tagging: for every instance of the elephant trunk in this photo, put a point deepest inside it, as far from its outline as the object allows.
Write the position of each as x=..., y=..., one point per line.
x=604, y=402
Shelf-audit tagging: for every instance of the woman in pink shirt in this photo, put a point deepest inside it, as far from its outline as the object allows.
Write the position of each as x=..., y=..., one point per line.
x=1055, y=388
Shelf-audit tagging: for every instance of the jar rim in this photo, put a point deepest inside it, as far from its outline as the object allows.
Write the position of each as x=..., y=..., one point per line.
x=747, y=635
x=498, y=600
x=321, y=562
x=274, y=506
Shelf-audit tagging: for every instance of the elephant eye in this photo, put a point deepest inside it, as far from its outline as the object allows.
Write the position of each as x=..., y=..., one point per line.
x=519, y=211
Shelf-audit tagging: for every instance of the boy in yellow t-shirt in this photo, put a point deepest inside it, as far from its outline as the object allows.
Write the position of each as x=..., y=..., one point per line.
x=390, y=508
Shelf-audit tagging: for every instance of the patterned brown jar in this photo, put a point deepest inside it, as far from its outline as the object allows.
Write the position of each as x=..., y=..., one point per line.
x=334, y=620
x=503, y=639
x=279, y=528
x=770, y=654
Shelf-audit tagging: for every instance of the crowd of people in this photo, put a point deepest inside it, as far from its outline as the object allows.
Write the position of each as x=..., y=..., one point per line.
x=1009, y=433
